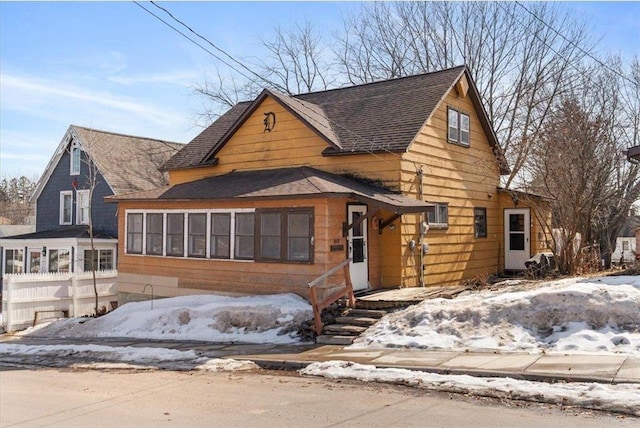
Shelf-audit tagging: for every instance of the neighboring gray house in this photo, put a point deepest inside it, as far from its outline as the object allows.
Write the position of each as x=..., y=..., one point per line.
x=626, y=248
x=120, y=163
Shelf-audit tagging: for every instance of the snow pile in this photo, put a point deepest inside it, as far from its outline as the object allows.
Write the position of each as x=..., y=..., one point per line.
x=128, y=354
x=250, y=319
x=622, y=398
x=597, y=315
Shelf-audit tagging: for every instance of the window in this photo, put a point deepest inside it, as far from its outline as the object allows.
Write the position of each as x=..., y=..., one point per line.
x=438, y=216
x=625, y=245
x=286, y=235
x=244, y=235
x=66, y=207
x=175, y=235
x=102, y=260
x=134, y=233
x=480, y=220
x=220, y=235
x=59, y=260
x=74, y=168
x=13, y=261
x=82, y=207
x=155, y=234
x=458, y=127
x=197, y=235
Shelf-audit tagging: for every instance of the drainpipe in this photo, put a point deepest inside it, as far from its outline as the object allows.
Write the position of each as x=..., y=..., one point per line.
x=422, y=222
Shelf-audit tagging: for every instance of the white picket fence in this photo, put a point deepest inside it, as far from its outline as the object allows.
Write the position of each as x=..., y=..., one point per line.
x=52, y=293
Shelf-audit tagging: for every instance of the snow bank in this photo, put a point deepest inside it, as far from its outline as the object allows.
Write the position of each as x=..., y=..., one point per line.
x=622, y=398
x=598, y=315
x=251, y=319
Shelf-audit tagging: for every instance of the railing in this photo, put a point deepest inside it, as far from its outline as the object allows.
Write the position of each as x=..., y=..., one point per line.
x=344, y=291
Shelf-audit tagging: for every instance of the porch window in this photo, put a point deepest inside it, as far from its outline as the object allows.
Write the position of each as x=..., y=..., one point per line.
x=66, y=207
x=82, y=207
x=175, y=234
x=480, y=220
x=221, y=235
x=438, y=215
x=197, y=235
x=13, y=261
x=154, y=234
x=285, y=235
x=59, y=260
x=134, y=233
x=458, y=127
x=244, y=236
x=74, y=167
x=102, y=260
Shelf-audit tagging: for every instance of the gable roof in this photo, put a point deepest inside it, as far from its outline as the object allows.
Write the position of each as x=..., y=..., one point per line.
x=282, y=183
x=379, y=116
x=127, y=163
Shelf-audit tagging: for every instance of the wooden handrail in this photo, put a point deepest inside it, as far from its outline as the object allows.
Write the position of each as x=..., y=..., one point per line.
x=347, y=290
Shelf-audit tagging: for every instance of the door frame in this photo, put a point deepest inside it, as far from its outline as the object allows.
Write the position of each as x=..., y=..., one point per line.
x=514, y=259
x=359, y=270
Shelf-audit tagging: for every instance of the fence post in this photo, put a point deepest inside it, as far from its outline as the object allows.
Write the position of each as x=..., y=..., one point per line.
x=6, y=297
x=74, y=295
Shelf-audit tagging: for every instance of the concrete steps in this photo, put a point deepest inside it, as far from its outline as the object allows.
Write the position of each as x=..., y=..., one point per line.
x=349, y=326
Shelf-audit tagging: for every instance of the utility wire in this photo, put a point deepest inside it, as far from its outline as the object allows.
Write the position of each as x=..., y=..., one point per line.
x=257, y=75
x=575, y=45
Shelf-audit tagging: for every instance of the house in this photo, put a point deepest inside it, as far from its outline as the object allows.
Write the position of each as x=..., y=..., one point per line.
x=626, y=249
x=61, y=242
x=398, y=176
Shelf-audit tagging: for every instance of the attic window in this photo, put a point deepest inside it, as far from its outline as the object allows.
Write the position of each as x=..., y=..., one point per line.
x=458, y=127
x=75, y=159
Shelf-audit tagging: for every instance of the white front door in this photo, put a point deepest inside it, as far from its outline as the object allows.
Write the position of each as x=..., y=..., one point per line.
x=357, y=242
x=517, y=240
x=36, y=262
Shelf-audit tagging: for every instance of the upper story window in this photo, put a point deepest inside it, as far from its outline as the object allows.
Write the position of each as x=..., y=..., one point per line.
x=66, y=207
x=458, y=127
x=75, y=159
x=438, y=216
x=82, y=207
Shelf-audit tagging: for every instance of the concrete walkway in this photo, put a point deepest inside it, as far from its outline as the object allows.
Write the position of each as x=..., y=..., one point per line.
x=542, y=367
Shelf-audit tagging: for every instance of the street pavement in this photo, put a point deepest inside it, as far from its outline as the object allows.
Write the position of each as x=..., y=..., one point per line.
x=609, y=369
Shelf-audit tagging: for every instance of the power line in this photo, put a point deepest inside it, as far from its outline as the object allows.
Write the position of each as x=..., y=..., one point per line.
x=257, y=75
x=575, y=45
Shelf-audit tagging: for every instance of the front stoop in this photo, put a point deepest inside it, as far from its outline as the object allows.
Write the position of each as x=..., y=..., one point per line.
x=349, y=326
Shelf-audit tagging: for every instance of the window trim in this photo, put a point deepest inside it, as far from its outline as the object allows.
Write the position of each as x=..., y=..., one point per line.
x=63, y=194
x=86, y=192
x=75, y=164
x=477, y=210
x=458, y=115
x=438, y=225
x=284, y=235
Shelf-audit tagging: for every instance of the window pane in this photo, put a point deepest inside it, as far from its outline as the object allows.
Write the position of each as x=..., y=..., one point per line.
x=270, y=235
x=67, y=208
x=220, y=235
x=63, y=261
x=154, y=234
x=516, y=241
x=431, y=215
x=35, y=261
x=244, y=242
x=134, y=233
x=14, y=262
x=298, y=247
x=106, y=259
x=87, y=261
x=516, y=222
x=480, y=218
x=443, y=215
x=453, y=125
x=197, y=235
x=75, y=160
x=175, y=234
x=53, y=260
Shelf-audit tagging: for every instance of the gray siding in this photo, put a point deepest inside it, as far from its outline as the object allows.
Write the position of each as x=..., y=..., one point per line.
x=48, y=204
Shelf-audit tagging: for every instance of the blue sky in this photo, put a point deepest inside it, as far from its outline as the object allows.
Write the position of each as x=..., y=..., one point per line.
x=114, y=67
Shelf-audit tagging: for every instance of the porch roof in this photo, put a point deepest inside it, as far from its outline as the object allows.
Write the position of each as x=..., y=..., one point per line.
x=283, y=183
x=67, y=232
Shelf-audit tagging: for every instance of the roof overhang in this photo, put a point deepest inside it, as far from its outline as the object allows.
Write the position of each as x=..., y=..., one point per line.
x=633, y=154
x=282, y=184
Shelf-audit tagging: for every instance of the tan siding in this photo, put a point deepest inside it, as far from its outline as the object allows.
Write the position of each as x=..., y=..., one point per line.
x=291, y=143
x=465, y=178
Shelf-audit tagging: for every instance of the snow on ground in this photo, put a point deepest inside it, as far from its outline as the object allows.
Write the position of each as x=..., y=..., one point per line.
x=622, y=398
x=224, y=319
x=577, y=315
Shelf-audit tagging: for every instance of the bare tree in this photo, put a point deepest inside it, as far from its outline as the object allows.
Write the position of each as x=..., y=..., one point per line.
x=14, y=199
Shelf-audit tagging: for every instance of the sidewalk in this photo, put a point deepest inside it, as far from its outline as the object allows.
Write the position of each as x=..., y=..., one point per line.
x=540, y=367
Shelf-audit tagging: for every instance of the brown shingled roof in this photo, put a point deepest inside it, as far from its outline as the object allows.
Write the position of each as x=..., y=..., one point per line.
x=128, y=163
x=377, y=116
x=283, y=183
